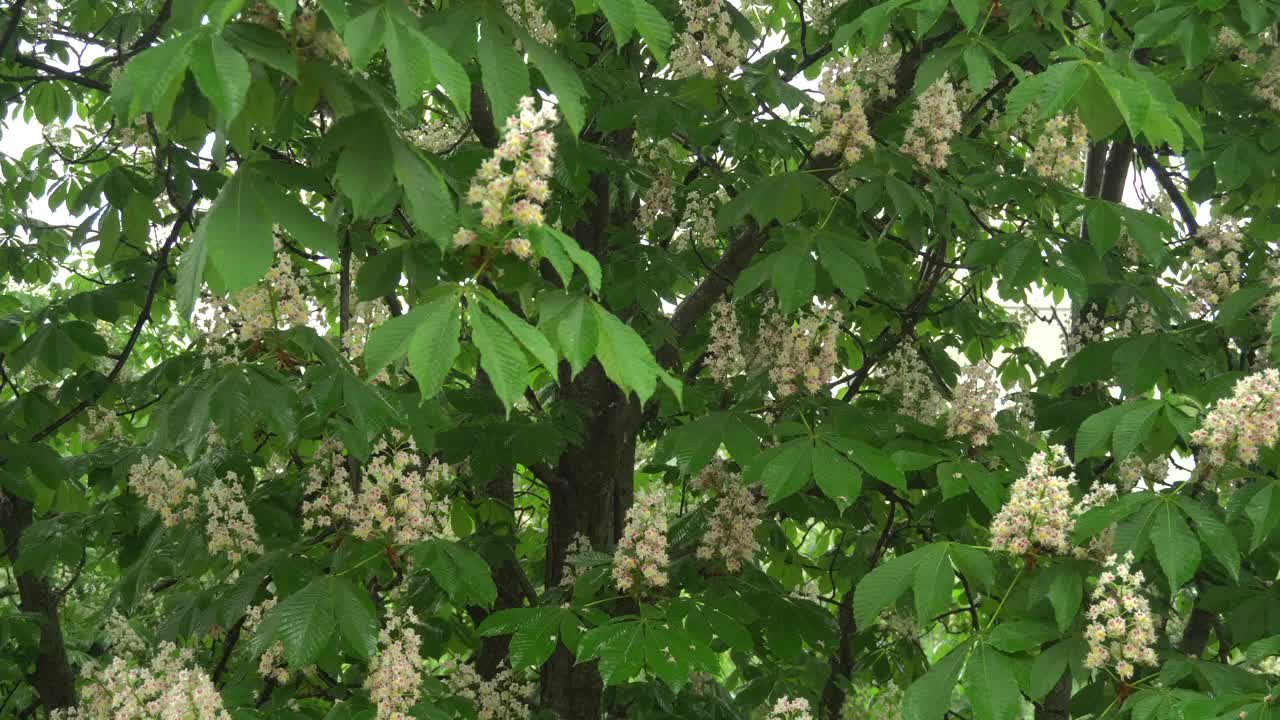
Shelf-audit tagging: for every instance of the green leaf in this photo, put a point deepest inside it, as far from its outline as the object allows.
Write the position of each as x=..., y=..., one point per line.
x=389, y=340
x=585, y=261
x=357, y=623
x=237, y=233
x=222, y=74
x=434, y=345
x=563, y=79
x=883, y=586
x=621, y=17
x=1213, y=533
x=534, y=641
x=845, y=271
x=1103, y=225
x=530, y=337
x=500, y=356
x=934, y=580
x=379, y=275
x=625, y=355
x=577, y=333
x=1048, y=668
x=976, y=63
x=263, y=45
x=1066, y=593
x=1130, y=96
x=449, y=73
x=363, y=36
x=787, y=471
x=191, y=275
x=462, y=573
x=929, y=697
x=1020, y=635
x=1176, y=548
x=155, y=77
x=1095, y=432
x=837, y=477
x=299, y=222
x=304, y=622
x=975, y=565
x=968, y=12
x=426, y=197
x=410, y=68
x=1275, y=339
x=991, y=685
x=654, y=28
x=366, y=183
x=1134, y=426
x=506, y=77
x=880, y=466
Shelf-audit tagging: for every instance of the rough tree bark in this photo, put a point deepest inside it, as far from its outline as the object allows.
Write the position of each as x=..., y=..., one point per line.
x=53, y=678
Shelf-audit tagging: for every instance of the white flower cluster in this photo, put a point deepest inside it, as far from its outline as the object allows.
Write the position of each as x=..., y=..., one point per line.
x=229, y=525
x=271, y=665
x=788, y=708
x=530, y=15
x=843, y=121
x=870, y=702
x=1134, y=469
x=698, y=226
x=166, y=490
x=820, y=12
x=934, y=122
x=876, y=70
x=1093, y=326
x=512, y=185
x=724, y=351
x=1121, y=629
x=713, y=477
x=640, y=560
x=1229, y=42
x=321, y=44
x=1268, y=87
x=1038, y=514
x=800, y=353
x=503, y=697
x=573, y=555
x=1059, y=153
x=1215, y=269
x=395, y=675
x=973, y=405
x=399, y=496
x=102, y=425
x=730, y=535
x=1239, y=426
x=170, y=687
x=122, y=638
x=905, y=378
x=366, y=317
x=708, y=45
x=439, y=133
x=276, y=302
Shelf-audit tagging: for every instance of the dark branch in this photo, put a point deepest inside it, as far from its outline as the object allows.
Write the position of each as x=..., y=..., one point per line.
x=162, y=264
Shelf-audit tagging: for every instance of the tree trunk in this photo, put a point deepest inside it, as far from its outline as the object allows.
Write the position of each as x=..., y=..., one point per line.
x=53, y=678
x=1055, y=704
x=592, y=498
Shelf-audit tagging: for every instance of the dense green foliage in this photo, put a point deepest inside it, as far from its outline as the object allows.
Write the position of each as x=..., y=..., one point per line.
x=701, y=388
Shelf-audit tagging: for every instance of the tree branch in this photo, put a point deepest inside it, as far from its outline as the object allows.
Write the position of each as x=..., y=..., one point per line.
x=162, y=264
x=15, y=19
x=1166, y=181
